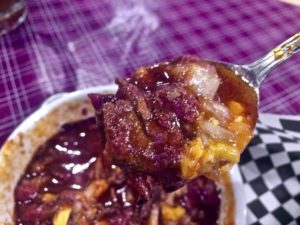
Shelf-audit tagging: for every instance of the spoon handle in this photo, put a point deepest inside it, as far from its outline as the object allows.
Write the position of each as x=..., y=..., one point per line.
x=261, y=67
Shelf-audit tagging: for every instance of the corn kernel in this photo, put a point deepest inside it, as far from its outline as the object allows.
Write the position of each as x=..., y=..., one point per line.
x=62, y=216
x=190, y=161
x=223, y=151
x=243, y=131
x=48, y=197
x=236, y=108
x=172, y=213
x=239, y=119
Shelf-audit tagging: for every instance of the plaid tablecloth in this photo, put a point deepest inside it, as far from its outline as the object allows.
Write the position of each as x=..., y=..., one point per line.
x=72, y=44
x=66, y=45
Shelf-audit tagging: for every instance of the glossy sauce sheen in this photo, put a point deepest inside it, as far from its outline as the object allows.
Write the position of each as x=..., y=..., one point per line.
x=70, y=162
x=188, y=117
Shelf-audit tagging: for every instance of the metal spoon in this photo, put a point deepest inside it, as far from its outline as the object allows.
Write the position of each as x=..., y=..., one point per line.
x=254, y=73
x=241, y=83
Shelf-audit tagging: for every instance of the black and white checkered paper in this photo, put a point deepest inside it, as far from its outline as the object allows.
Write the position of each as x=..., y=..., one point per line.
x=270, y=168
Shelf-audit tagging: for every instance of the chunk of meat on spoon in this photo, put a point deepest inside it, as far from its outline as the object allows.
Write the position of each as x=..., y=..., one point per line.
x=175, y=121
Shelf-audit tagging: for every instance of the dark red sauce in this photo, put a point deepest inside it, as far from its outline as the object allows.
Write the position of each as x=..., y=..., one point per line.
x=66, y=169
x=164, y=111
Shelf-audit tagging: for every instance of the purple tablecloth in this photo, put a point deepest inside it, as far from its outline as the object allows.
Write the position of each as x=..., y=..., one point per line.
x=66, y=45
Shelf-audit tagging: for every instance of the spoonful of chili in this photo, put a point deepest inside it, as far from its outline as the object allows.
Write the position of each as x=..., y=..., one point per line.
x=173, y=121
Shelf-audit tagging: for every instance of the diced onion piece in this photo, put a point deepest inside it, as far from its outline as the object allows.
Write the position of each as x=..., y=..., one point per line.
x=154, y=216
x=203, y=79
x=218, y=110
x=217, y=132
x=205, y=139
x=236, y=108
x=243, y=132
x=62, y=216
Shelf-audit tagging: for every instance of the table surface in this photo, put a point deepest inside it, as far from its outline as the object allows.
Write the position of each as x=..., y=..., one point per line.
x=65, y=45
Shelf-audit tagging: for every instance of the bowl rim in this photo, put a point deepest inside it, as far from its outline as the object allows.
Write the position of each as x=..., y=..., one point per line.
x=57, y=99
x=54, y=101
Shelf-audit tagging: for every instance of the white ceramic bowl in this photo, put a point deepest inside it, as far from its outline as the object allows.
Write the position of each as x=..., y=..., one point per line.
x=41, y=125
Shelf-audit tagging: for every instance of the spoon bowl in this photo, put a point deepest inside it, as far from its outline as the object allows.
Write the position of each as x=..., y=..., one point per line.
x=251, y=76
